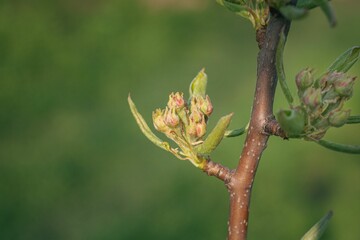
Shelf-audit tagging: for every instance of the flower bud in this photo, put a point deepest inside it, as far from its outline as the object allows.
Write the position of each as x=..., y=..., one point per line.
x=171, y=119
x=312, y=97
x=201, y=128
x=158, y=120
x=176, y=100
x=206, y=106
x=339, y=118
x=344, y=86
x=304, y=79
x=196, y=114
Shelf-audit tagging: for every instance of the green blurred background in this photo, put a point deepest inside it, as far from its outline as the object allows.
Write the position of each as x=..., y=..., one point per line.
x=73, y=163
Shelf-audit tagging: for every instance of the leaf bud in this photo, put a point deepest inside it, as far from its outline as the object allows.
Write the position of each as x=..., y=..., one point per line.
x=304, y=79
x=198, y=85
x=292, y=121
x=339, y=118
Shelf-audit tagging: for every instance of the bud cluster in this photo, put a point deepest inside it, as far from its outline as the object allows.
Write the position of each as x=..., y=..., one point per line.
x=181, y=122
x=322, y=101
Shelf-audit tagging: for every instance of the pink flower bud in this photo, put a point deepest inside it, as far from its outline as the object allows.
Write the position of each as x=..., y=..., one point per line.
x=344, y=86
x=312, y=97
x=171, y=119
x=158, y=120
x=176, y=100
x=339, y=118
x=201, y=128
x=206, y=106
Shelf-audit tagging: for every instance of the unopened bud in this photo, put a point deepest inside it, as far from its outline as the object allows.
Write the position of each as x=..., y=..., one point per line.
x=158, y=120
x=171, y=119
x=329, y=78
x=176, y=100
x=312, y=97
x=198, y=85
x=195, y=112
x=206, y=106
x=344, y=86
x=339, y=118
x=304, y=79
x=201, y=128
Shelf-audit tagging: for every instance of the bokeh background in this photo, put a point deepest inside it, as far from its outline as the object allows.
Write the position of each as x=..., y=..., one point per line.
x=73, y=163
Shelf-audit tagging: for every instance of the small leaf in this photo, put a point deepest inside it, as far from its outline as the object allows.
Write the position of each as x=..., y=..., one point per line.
x=280, y=68
x=145, y=128
x=293, y=13
x=318, y=229
x=198, y=85
x=292, y=122
x=351, y=149
x=346, y=60
x=329, y=12
x=235, y=132
x=353, y=120
x=215, y=136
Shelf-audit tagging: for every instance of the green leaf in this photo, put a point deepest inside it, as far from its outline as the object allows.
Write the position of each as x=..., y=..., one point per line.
x=145, y=128
x=352, y=149
x=346, y=60
x=235, y=132
x=329, y=12
x=198, y=85
x=353, y=120
x=309, y=4
x=280, y=68
x=318, y=229
x=292, y=122
x=215, y=136
x=293, y=13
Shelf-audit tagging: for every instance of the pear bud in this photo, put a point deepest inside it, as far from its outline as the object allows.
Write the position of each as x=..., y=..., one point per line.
x=304, y=79
x=344, y=86
x=158, y=120
x=205, y=106
x=176, y=100
x=339, y=118
x=312, y=97
x=171, y=119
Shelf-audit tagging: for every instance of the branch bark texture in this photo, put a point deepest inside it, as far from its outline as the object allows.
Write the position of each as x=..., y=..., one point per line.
x=241, y=182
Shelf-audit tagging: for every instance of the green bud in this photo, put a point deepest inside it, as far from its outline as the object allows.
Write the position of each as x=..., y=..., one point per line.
x=339, y=118
x=176, y=100
x=171, y=119
x=198, y=85
x=344, y=86
x=312, y=97
x=304, y=79
x=158, y=120
x=292, y=121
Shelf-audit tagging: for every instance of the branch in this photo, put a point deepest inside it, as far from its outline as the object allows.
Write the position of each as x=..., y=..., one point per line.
x=216, y=169
x=241, y=183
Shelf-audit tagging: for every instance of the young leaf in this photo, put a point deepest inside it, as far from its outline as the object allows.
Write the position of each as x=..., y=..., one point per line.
x=352, y=149
x=215, y=136
x=309, y=4
x=353, y=120
x=345, y=61
x=145, y=128
x=198, y=85
x=280, y=68
x=293, y=13
x=235, y=132
x=318, y=229
x=329, y=12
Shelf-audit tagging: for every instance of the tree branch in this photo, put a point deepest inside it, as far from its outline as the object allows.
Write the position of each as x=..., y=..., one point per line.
x=216, y=169
x=241, y=183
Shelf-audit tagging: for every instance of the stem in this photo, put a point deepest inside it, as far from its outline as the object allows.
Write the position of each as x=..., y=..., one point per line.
x=241, y=182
